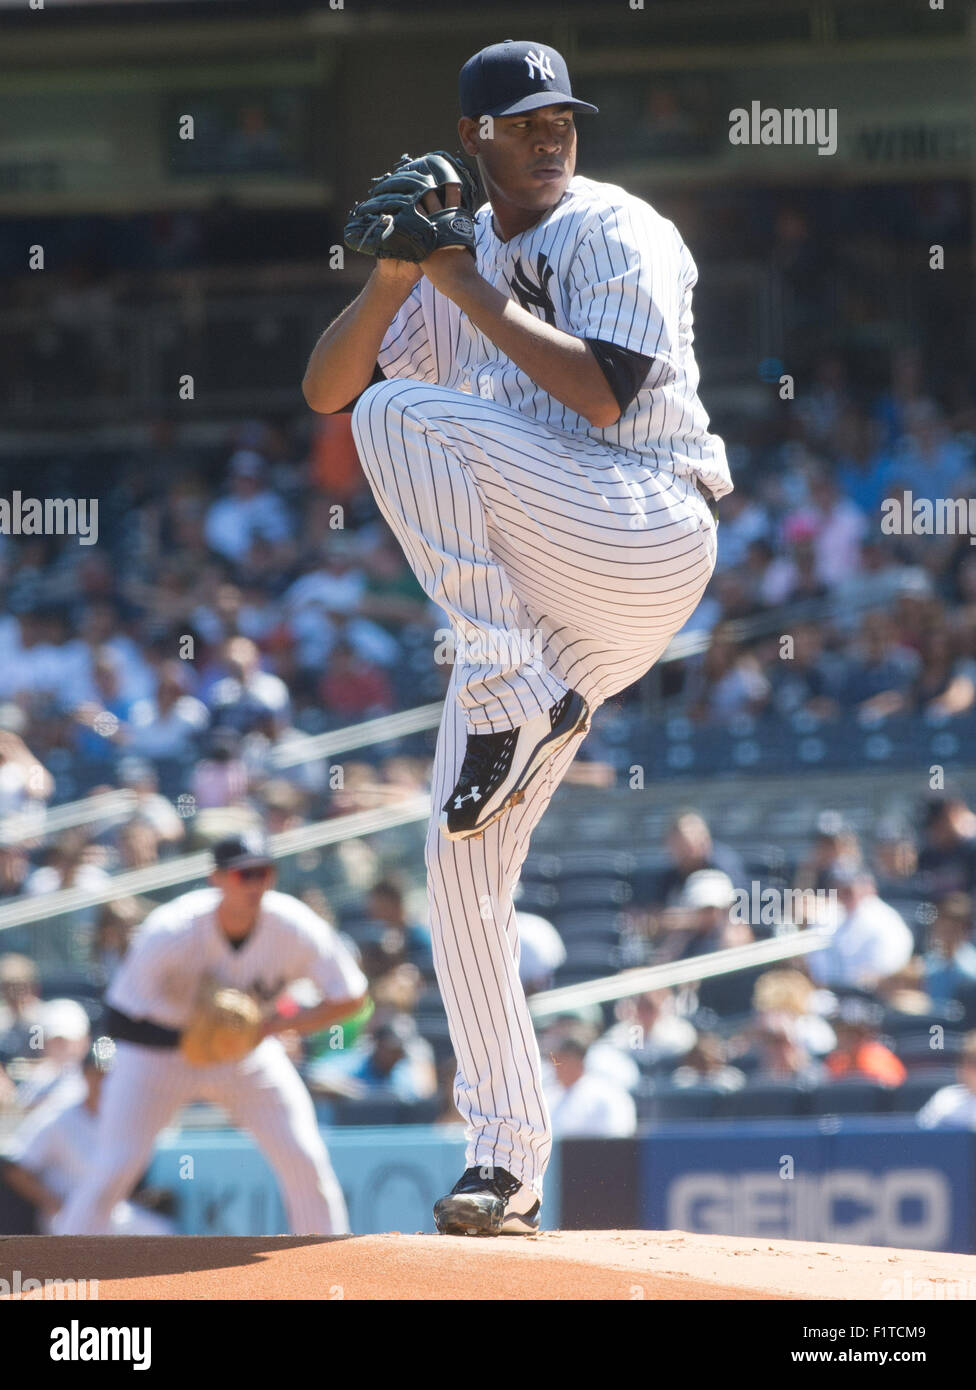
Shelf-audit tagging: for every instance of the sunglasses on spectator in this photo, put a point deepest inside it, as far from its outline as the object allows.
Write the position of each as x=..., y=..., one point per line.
x=253, y=873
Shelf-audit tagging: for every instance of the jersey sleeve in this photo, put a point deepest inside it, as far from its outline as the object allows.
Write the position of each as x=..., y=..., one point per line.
x=322, y=958
x=140, y=980
x=406, y=349
x=627, y=283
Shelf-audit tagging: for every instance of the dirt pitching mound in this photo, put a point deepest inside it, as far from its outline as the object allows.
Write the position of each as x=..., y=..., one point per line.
x=561, y=1265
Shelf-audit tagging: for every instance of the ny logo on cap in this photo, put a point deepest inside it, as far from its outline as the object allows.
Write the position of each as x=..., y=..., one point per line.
x=539, y=65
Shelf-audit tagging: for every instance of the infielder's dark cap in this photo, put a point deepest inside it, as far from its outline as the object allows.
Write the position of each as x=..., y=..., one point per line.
x=245, y=850
x=507, y=78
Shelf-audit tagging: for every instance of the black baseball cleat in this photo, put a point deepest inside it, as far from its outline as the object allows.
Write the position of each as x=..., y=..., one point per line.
x=497, y=768
x=488, y=1202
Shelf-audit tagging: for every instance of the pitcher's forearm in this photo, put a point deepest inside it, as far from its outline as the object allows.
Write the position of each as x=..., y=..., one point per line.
x=343, y=359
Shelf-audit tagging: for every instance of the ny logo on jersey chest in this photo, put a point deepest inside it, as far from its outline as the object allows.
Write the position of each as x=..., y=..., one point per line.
x=530, y=295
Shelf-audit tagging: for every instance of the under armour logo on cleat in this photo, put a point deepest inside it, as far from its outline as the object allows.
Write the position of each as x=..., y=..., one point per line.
x=473, y=795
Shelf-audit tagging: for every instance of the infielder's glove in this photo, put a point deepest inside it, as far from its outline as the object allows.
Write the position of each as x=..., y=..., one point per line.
x=391, y=223
x=225, y=1026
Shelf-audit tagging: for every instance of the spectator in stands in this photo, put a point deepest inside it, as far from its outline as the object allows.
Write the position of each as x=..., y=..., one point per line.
x=99, y=720
x=392, y=596
x=393, y=1062
x=794, y=576
x=542, y=951
x=138, y=776
x=56, y=1147
x=778, y=1053
x=690, y=848
x=947, y=858
x=954, y=1107
x=810, y=678
x=707, y=920
x=860, y=461
x=221, y=778
x=582, y=1104
x=840, y=528
x=859, y=1052
x=650, y=1029
x=63, y=1037
x=14, y=871
x=726, y=682
x=169, y=724
x=788, y=993
x=323, y=605
x=101, y=632
x=743, y=521
x=907, y=387
x=835, y=843
x=882, y=672
x=25, y=782
x=949, y=962
x=138, y=845
x=946, y=683
x=895, y=851
x=927, y=461
x=700, y=922
x=72, y=862
x=707, y=1064
x=353, y=688
x=20, y=1006
x=603, y=1060
x=871, y=941
x=115, y=924
x=405, y=938
x=246, y=695
x=251, y=511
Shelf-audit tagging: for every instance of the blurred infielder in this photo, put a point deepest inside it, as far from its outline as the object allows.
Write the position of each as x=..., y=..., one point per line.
x=238, y=936
x=542, y=455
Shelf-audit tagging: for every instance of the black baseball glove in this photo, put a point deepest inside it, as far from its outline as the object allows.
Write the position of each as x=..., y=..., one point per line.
x=392, y=223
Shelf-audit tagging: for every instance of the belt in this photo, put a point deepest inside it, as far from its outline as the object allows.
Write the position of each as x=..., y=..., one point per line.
x=138, y=1030
x=706, y=492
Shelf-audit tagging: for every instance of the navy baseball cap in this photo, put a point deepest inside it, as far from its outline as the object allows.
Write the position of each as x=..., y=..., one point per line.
x=507, y=78
x=246, y=850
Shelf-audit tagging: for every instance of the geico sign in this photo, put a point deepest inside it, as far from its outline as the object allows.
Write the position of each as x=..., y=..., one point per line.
x=904, y=1206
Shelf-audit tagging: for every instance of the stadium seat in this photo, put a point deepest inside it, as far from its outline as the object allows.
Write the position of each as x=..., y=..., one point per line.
x=855, y=1097
x=916, y=1049
x=909, y=1098
x=761, y=1098
x=677, y=1103
x=899, y=1025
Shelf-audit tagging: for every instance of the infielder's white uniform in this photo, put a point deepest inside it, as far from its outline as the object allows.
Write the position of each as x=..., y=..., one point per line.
x=59, y=1146
x=518, y=517
x=177, y=945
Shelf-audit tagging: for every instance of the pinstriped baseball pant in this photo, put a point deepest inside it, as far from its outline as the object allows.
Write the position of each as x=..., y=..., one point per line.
x=514, y=526
x=263, y=1093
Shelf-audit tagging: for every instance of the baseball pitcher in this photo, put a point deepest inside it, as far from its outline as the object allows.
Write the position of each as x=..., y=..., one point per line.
x=525, y=408
x=190, y=1010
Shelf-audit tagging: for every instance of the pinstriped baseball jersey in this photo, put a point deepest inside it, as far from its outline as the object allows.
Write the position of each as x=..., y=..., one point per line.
x=180, y=942
x=603, y=264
